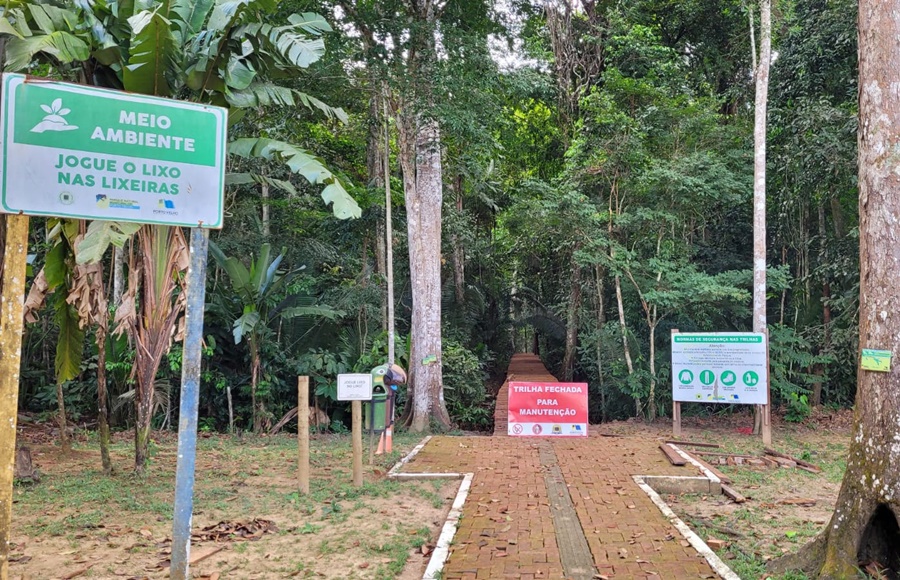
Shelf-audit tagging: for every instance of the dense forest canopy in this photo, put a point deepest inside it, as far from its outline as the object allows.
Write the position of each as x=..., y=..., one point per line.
x=588, y=164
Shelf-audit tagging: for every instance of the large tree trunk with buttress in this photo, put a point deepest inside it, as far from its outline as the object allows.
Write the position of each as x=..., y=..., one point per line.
x=864, y=527
x=420, y=156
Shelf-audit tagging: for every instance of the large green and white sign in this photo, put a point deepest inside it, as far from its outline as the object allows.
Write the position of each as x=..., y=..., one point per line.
x=75, y=151
x=719, y=368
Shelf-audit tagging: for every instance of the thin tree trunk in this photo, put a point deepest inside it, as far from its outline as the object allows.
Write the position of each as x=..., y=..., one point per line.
x=784, y=291
x=230, y=410
x=118, y=275
x=256, y=403
x=102, y=404
x=652, y=409
x=759, y=180
x=375, y=168
x=459, y=253
x=819, y=369
x=601, y=322
x=64, y=441
x=572, y=318
x=264, y=194
x=620, y=303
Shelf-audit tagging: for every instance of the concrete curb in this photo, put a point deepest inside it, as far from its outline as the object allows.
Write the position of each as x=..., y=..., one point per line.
x=698, y=544
x=448, y=531
x=442, y=549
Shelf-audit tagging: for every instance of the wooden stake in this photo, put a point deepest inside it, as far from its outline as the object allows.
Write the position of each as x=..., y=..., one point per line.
x=12, y=302
x=303, y=433
x=356, y=410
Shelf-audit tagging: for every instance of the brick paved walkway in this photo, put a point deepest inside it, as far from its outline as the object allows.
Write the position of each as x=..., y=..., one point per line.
x=507, y=528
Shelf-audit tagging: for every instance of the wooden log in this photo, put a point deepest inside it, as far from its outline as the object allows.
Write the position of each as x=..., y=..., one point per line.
x=672, y=455
x=719, y=454
x=724, y=478
x=774, y=453
x=734, y=495
x=801, y=501
x=786, y=463
x=692, y=443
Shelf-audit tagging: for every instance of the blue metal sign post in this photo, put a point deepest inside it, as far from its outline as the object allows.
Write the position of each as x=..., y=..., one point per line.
x=190, y=400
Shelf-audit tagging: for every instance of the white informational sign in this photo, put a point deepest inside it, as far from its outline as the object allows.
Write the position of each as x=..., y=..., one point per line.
x=354, y=387
x=719, y=368
x=83, y=152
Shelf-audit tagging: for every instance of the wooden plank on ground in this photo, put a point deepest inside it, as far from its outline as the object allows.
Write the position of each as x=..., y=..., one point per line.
x=692, y=443
x=734, y=495
x=788, y=463
x=774, y=453
x=724, y=478
x=672, y=455
x=718, y=454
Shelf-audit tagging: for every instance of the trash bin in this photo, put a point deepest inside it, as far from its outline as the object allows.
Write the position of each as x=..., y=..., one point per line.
x=374, y=411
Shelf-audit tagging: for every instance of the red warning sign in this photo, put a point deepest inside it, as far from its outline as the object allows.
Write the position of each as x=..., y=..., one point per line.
x=548, y=409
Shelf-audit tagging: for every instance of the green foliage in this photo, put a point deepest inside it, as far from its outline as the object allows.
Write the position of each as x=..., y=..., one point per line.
x=465, y=387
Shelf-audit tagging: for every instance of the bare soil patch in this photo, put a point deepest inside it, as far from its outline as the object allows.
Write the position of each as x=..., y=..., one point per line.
x=80, y=523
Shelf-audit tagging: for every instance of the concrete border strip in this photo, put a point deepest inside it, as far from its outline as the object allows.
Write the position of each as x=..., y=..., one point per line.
x=448, y=531
x=709, y=474
x=409, y=456
x=698, y=544
x=442, y=549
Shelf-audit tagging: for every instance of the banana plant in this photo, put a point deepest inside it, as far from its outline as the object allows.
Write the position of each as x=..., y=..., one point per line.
x=260, y=298
x=222, y=52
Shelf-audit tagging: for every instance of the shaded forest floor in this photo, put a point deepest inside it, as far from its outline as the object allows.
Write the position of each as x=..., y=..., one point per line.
x=76, y=522
x=785, y=507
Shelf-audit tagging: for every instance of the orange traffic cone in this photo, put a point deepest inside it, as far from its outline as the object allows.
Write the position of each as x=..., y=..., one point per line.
x=380, y=449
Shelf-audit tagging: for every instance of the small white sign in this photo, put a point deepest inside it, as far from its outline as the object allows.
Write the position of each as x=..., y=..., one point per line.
x=354, y=387
x=719, y=368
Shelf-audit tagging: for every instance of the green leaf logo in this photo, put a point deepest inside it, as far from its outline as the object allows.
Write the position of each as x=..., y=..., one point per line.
x=55, y=118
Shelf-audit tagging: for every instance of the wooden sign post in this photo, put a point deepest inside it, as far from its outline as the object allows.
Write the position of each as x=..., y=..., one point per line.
x=355, y=388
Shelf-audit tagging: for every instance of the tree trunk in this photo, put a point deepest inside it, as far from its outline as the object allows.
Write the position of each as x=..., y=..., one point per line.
x=651, y=411
x=145, y=392
x=61, y=417
x=459, y=252
x=230, y=410
x=160, y=258
x=818, y=370
x=572, y=319
x=256, y=402
x=421, y=159
x=601, y=322
x=759, y=180
x=118, y=275
x=266, y=222
x=626, y=350
x=864, y=525
x=102, y=404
